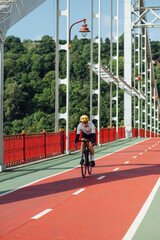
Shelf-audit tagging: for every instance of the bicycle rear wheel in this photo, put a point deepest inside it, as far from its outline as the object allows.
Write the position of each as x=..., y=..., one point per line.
x=89, y=168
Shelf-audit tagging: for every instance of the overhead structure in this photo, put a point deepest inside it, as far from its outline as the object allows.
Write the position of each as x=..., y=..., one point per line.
x=108, y=77
x=11, y=12
x=140, y=23
x=142, y=12
x=135, y=20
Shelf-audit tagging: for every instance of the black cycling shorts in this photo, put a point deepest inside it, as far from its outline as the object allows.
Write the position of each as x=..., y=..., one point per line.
x=87, y=136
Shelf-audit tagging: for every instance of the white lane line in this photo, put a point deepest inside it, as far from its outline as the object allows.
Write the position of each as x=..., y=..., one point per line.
x=115, y=169
x=149, y=148
x=42, y=214
x=152, y=145
x=101, y=177
x=140, y=153
x=132, y=230
x=126, y=162
x=134, y=156
x=79, y=191
x=146, y=150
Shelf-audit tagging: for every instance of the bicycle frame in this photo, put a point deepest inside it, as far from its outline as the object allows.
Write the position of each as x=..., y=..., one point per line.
x=85, y=156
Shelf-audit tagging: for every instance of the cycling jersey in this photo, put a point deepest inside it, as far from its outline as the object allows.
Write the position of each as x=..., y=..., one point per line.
x=90, y=128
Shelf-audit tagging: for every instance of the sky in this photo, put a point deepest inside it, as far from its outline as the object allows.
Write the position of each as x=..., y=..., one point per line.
x=42, y=21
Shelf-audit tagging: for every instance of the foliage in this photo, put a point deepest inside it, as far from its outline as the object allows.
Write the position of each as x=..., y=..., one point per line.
x=29, y=82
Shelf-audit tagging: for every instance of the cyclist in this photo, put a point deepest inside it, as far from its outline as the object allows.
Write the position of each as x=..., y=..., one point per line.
x=88, y=133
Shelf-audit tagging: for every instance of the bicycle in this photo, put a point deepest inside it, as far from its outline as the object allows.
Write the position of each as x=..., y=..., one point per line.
x=85, y=156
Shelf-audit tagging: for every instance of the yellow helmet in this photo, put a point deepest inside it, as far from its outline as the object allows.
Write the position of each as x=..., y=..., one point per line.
x=84, y=118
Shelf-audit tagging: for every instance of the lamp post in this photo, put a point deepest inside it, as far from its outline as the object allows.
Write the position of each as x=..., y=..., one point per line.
x=84, y=30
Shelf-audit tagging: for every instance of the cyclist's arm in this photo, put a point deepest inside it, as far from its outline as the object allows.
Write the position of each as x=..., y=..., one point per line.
x=78, y=133
x=77, y=138
x=93, y=134
x=93, y=137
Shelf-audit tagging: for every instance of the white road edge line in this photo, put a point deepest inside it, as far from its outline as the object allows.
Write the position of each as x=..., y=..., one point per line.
x=115, y=169
x=140, y=153
x=135, y=157
x=126, y=162
x=101, y=177
x=42, y=214
x=79, y=191
x=133, y=228
x=53, y=175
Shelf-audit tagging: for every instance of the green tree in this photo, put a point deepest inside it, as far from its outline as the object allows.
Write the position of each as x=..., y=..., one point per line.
x=15, y=101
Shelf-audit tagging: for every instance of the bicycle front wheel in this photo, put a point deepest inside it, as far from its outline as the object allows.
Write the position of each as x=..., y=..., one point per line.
x=83, y=169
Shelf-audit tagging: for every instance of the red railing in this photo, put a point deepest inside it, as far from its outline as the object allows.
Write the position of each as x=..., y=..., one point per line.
x=142, y=133
x=22, y=148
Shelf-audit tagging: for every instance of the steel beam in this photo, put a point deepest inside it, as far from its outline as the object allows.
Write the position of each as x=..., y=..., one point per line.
x=98, y=91
x=127, y=68
x=65, y=81
x=2, y=165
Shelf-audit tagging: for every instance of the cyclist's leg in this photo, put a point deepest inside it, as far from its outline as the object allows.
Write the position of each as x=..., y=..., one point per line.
x=92, y=154
x=82, y=157
x=82, y=144
x=91, y=149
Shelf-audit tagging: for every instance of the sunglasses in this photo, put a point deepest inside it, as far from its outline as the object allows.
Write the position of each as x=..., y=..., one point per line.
x=84, y=122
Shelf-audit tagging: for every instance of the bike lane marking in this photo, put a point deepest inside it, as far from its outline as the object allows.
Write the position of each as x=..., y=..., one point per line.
x=79, y=191
x=115, y=169
x=101, y=177
x=41, y=214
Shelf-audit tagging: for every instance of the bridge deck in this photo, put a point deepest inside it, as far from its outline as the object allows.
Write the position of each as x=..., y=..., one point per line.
x=112, y=203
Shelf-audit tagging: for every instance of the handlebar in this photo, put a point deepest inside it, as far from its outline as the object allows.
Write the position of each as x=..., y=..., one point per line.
x=84, y=141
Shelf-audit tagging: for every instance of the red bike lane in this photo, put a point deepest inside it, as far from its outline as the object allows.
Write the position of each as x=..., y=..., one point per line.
x=106, y=206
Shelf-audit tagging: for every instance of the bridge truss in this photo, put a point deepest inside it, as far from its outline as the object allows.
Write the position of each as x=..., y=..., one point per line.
x=143, y=94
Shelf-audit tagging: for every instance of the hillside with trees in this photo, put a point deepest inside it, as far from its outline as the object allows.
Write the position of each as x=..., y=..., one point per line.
x=29, y=83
